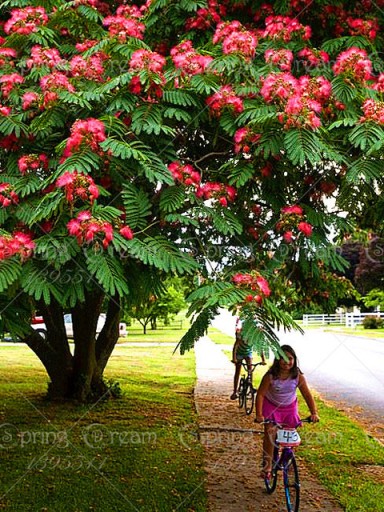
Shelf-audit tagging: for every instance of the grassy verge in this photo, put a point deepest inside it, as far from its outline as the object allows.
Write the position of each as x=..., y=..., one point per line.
x=139, y=453
x=339, y=452
x=358, y=330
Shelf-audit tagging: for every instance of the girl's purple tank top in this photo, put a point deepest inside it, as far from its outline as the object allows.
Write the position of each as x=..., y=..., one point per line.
x=282, y=392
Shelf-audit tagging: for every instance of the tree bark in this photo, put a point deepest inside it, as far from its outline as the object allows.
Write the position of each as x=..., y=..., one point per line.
x=54, y=351
x=84, y=319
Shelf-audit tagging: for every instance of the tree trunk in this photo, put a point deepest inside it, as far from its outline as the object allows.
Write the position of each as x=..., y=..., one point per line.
x=79, y=376
x=84, y=318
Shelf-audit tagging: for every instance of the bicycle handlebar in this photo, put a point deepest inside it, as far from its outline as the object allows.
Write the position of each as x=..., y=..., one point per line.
x=253, y=365
x=304, y=420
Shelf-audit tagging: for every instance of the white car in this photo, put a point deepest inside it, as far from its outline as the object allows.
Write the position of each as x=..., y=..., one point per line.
x=39, y=325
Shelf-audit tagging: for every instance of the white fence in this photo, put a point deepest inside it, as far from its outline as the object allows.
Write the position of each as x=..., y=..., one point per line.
x=347, y=319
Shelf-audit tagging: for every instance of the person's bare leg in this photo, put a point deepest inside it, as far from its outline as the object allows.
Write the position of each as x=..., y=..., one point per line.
x=268, y=445
x=236, y=380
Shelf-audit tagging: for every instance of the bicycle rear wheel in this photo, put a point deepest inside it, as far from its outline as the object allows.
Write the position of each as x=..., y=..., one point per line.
x=291, y=485
x=240, y=391
x=249, y=398
x=270, y=483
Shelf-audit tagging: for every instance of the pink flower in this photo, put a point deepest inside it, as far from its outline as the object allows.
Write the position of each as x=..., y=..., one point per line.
x=305, y=228
x=288, y=237
x=295, y=210
x=126, y=232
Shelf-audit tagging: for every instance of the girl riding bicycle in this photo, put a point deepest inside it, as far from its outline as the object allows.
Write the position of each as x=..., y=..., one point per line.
x=276, y=400
x=241, y=350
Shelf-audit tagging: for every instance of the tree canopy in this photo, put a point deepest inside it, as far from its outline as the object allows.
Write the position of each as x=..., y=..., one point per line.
x=235, y=141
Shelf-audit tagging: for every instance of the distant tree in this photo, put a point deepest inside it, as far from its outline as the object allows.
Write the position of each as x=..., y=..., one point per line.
x=374, y=299
x=369, y=273
x=169, y=301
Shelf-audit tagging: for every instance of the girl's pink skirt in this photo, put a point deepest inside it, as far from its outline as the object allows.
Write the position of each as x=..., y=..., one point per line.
x=287, y=415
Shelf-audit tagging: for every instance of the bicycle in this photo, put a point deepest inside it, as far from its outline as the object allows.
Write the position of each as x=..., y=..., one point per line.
x=246, y=392
x=284, y=460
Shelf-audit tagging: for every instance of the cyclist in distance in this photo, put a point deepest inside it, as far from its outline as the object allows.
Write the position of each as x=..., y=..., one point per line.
x=276, y=400
x=241, y=350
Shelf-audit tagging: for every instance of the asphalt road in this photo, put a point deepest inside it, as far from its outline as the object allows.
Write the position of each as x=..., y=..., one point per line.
x=340, y=367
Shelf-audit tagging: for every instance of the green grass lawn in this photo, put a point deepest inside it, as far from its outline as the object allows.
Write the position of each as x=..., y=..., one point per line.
x=138, y=453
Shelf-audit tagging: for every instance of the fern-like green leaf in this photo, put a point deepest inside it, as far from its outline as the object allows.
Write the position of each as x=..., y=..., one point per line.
x=181, y=219
x=197, y=329
x=163, y=254
x=224, y=220
x=239, y=174
x=10, y=271
x=107, y=272
x=179, y=97
x=84, y=161
x=172, y=199
x=365, y=169
x=137, y=206
x=13, y=124
x=303, y=146
x=366, y=135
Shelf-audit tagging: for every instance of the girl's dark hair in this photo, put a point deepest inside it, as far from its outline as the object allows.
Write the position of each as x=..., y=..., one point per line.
x=275, y=368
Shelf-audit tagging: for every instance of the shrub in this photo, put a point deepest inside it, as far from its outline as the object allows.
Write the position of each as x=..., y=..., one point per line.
x=372, y=322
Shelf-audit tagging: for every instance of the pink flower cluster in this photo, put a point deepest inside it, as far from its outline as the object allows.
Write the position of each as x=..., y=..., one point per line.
x=312, y=57
x=373, y=111
x=7, y=195
x=244, y=138
x=225, y=98
x=88, y=229
x=32, y=163
x=285, y=29
x=153, y=63
x=142, y=59
x=53, y=83
x=224, y=194
x=184, y=174
x=18, y=243
x=125, y=23
x=186, y=58
x=25, y=21
x=379, y=83
x=205, y=18
x=29, y=98
x=354, y=65
x=78, y=186
x=91, y=68
x=8, y=82
x=6, y=56
x=5, y=111
x=255, y=282
x=360, y=27
x=40, y=56
x=300, y=100
x=292, y=223
x=281, y=58
x=278, y=87
x=85, y=132
x=236, y=39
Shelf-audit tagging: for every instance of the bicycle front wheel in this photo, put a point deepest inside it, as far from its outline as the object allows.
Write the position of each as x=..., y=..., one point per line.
x=241, y=391
x=292, y=485
x=249, y=398
x=271, y=480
